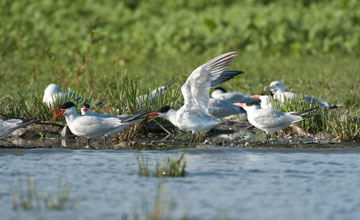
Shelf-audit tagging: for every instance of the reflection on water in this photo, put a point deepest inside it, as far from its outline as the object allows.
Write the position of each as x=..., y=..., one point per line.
x=232, y=182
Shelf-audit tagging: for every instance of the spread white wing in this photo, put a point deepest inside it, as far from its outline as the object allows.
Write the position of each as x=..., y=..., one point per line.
x=197, y=86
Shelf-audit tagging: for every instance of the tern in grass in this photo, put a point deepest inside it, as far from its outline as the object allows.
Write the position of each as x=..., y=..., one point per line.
x=271, y=120
x=94, y=126
x=7, y=127
x=86, y=110
x=194, y=116
x=53, y=92
x=277, y=89
x=234, y=97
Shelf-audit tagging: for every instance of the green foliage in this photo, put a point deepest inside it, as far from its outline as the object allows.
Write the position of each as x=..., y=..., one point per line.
x=172, y=167
x=343, y=125
x=27, y=198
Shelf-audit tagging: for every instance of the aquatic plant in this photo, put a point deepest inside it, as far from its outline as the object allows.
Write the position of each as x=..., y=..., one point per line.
x=343, y=125
x=172, y=167
x=162, y=208
x=27, y=198
x=143, y=166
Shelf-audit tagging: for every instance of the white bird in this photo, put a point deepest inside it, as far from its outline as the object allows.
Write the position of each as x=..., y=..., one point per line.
x=265, y=100
x=94, y=126
x=7, y=127
x=271, y=120
x=194, y=114
x=234, y=97
x=86, y=110
x=53, y=92
x=220, y=108
x=277, y=89
x=155, y=94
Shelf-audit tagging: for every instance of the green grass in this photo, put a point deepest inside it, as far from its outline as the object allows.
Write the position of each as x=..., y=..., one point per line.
x=161, y=208
x=118, y=50
x=28, y=198
x=171, y=167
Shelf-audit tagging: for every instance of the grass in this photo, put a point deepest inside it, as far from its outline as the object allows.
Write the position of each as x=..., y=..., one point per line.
x=162, y=208
x=27, y=198
x=171, y=167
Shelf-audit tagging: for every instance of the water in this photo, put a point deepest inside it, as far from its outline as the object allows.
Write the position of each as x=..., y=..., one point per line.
x=236, y=183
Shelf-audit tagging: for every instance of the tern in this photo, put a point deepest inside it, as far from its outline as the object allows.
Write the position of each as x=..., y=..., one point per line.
x=271, y=120
x=86, y=110
x=194, y=116
x=94, y=126
x=154, y=94
x=277, y=89
x=53, y=92
x=220, y=108
x=7, y=127
x=234, y=97
x=265, y=100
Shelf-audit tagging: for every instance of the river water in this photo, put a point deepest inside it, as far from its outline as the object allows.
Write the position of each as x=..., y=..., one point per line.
x=232, y=183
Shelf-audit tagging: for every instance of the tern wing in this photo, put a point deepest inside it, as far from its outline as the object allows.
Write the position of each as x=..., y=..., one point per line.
x=197, y=86
x=271, y=118
x=220, y=108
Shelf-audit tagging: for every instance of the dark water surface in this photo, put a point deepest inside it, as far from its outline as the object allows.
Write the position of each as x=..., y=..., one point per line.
x=236, y=183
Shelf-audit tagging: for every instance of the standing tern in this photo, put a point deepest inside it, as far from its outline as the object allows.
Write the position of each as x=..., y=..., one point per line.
x=265, y=100
x=94, y=126
x=221, y=108
x=155, y=94
x=277, y=88
x=7, y=127
x=53, y=92
x=86, y=110
x=271, y=120
x=194, y=114
x=221, y=93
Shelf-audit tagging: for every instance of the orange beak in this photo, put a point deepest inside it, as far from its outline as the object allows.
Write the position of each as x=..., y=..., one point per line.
x=242, y=105
x=153, y=114
x=85, y=109
x=255, y=97
x=62, y=112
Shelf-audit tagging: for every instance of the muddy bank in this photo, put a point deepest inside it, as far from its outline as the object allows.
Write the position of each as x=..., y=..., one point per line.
x=233, y=133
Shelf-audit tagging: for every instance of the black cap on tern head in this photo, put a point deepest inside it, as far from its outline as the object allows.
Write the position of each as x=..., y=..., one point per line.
x=221, y=89
x=256, y=102
x=164, y=109
x=67, y=105
x=85, y=105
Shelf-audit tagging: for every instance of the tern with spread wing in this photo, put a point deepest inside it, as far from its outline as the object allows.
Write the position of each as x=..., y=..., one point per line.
x=277, y=89
x=53, y=92
x=7, y=127
x=94, y=126
x=271, y=120
x=194, y=116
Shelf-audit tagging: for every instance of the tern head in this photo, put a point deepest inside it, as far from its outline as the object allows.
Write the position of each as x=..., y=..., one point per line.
x=265, y=100
x=250, y=105
x=217, y=92
x=85, y=108
x=162, y=112
x=66, y=109
x=277, y=86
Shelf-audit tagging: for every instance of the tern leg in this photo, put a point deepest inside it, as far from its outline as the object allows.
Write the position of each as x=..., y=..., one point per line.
x=88, y=141
x=105, y=140
x=268, y=137
x=192, y=138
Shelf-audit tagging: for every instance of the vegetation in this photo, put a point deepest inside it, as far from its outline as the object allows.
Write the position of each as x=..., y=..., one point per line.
x=27, y=198
x=162, y=207
x=114, y=51
x=172, y=167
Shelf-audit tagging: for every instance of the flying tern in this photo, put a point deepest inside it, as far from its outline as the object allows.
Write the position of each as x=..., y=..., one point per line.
x=7, y=127
x=94, y=126
x=194, y=114
x=271, y=120
x=53, y=92
x=277, y=89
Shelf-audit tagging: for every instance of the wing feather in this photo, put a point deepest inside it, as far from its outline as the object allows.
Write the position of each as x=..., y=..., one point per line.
x=197, y=86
